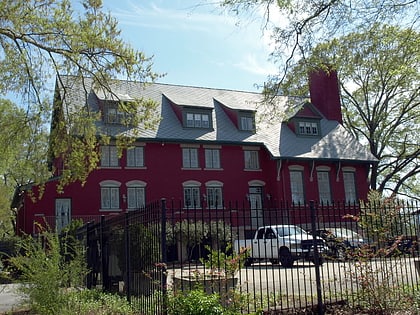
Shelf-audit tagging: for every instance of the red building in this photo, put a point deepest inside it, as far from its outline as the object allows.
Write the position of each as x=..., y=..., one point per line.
x=210, y=147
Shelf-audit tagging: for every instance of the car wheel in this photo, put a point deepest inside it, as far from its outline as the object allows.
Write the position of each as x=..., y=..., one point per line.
x=321, y=261
x=248, y=262
x=285, y=257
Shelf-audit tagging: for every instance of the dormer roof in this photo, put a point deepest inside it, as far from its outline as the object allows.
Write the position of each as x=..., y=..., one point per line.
x=271, y=132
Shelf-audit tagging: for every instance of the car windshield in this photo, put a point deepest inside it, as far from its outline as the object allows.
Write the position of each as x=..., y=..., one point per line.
x=289, y=230
x=345, y=233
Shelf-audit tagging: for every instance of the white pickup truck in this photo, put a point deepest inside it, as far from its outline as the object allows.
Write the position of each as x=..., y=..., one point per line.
x=281, y=244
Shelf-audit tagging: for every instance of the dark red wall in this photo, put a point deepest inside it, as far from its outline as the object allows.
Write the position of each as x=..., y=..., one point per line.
x=164, y=177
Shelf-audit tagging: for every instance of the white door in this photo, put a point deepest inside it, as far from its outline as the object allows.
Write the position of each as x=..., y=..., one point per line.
x=62, y=213
x=255, y=201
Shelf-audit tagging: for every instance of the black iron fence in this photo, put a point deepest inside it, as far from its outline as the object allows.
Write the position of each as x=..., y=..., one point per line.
x=290, y=256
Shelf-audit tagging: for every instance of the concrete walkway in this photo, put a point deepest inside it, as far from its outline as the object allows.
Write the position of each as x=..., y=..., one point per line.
x=10, y=298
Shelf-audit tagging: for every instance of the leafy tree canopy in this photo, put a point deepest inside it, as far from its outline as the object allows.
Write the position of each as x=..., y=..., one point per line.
x=41, y=40
x=380, y=84
x=296, y=26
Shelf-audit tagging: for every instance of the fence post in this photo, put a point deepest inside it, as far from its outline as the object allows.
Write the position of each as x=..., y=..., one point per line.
x=104, y=258
x=316, y=258
x=164, y=256
x=127, y=257
x=89, y=260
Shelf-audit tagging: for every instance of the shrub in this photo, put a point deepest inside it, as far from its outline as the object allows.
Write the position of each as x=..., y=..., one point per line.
x=47, y=266
x=95, y=302
x=196, y=302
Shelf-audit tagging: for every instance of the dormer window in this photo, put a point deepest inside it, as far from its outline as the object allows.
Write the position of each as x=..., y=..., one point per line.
x=114, y=115
x=246, y=121
x=197, y=119
x=308, y=128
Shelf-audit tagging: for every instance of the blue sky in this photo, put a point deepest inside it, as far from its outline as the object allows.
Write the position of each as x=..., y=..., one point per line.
x=195, y=44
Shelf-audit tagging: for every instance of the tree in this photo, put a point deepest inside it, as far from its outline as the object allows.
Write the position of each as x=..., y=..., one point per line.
x=23, y=143
x=297, y=26
x=41, y=40
x=379, y=78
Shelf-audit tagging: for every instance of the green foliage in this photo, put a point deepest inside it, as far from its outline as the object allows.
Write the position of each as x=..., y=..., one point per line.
x=197, y=302
x=295, y=26
x=48, y=266
x=225, y=263
x=383, y=219
x=379, y=75
x=46, y=40
x=191, y=232
x=81, y=302
x=144, y=246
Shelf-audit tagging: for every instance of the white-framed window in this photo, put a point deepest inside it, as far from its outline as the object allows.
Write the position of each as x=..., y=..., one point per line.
x=214, y=194
x=296, y=186
x=110, y=195
x=324, y=187
x=135, y=156
x=192, y=194
x=251, y=159
x=212, y=158
x=136, y=195
x=349, y=179
x=308, y=128
x=247, y=123
x=197, y=120
x=114, y=115
x=109, y=156
x=190, y=157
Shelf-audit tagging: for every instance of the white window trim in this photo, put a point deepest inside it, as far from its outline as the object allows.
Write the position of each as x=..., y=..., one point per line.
x=350, y=170
x=135, y=184
x=192, y=184
x=301, y=191
x=214, y=184
x=212, y=167
x=186, y=167
x=327, y=199
x=110, y=184
x=143, y=159
x=109, y=148
x=256, y=182
x=258, y=166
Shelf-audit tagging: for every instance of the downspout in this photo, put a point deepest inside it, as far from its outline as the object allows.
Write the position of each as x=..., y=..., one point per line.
x=311, y=177
x=337, y=177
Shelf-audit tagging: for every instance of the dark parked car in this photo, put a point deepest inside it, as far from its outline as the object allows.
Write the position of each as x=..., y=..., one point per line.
x=340, y=241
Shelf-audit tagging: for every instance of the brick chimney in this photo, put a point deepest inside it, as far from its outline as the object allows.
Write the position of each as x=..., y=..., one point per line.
x=325, y=94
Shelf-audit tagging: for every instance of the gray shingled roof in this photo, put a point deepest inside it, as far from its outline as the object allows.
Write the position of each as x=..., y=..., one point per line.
x=336, y=143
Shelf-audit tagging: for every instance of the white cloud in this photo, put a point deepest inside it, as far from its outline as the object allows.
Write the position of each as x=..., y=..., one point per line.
x=256, y=65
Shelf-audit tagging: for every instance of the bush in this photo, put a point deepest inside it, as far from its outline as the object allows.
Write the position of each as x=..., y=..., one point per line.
x=47, y=266
x=196, y=302
x=95, y=302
